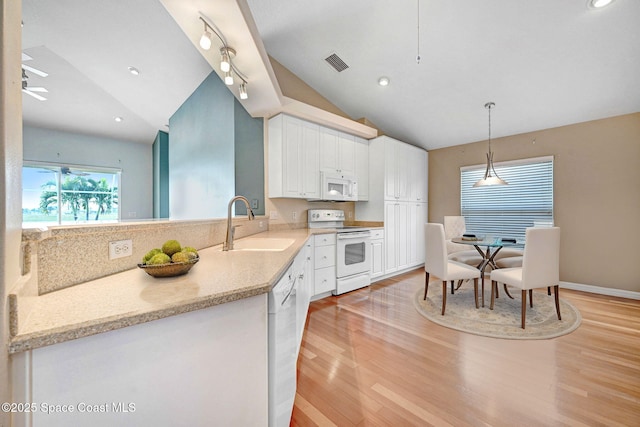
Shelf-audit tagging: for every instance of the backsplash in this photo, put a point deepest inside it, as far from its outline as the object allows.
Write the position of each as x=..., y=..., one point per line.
x=66, y=256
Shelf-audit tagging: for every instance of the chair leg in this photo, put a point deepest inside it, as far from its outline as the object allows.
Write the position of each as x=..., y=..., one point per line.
x=452, y=287
x=444, y=295
x=426, y=284
x=524, y=307
x=549, y=290
x=556, y=291
x=475, y=290
x=531, y=298
x=494, y=288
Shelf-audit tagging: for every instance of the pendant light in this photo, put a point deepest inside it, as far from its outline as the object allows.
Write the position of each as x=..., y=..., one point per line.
x=488, y=178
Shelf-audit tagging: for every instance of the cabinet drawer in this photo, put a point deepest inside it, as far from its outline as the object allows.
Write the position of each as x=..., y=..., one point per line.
x=377, y=233
x=325, y=256
x=325, y=239
x=325, y=280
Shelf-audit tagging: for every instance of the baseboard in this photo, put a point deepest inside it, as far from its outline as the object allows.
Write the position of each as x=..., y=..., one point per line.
x=396, y=273
x=600, y=290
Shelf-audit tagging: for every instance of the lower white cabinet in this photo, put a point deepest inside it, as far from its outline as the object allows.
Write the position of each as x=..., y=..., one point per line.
x=324, y=263
x=303, y=265
x=404, y=235
x=377, y=252
x=199, y=368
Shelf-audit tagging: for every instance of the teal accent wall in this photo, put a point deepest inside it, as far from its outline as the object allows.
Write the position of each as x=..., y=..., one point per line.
x=161, y=175
x=249, y=159
x=202, y=153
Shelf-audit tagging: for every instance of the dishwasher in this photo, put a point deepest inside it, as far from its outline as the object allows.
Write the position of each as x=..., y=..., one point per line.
x=282, y=349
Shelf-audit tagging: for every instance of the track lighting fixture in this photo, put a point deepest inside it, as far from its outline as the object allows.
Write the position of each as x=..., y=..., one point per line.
x=227, y=54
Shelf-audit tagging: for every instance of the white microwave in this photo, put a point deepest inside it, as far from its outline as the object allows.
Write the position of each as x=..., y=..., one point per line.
x=338, y=187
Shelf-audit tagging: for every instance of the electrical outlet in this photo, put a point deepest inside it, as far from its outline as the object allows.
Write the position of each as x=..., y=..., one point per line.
x=254, y=203
x=294, y=215
x=273, y=214
x=120, y=249
x=350, y=215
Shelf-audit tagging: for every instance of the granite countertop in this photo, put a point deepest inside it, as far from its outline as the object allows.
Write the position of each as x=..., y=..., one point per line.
x=133, y=297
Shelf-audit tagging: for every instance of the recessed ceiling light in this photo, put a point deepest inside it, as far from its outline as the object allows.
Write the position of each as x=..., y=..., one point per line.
x=598, y=4
x=383, y=81
x=134, y=71
x=118, y=119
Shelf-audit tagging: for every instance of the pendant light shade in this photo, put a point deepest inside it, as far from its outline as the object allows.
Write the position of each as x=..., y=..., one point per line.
x=490, y=175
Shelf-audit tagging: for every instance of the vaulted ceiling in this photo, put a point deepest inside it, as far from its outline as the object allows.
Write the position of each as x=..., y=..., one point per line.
x=544, y=63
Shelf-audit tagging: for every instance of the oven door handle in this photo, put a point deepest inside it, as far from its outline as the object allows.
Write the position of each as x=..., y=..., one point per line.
x=359, y=235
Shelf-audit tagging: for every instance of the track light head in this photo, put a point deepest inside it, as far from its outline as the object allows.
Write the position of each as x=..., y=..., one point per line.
x=228, y=78
x=227, y=53
x=206, y=39
x=243, y=91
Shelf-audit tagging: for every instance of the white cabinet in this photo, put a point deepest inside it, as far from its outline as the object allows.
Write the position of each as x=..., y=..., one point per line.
x=419, y=177
x=417, y=219
x=362, y=168
x=294, y=168
x=156, y=373
x=377, y=252
x=397, y=196
x=304, y=285
x=404, y=235
x=337, y=152
x=324, y=263
x=396, y=236
x=397, y=170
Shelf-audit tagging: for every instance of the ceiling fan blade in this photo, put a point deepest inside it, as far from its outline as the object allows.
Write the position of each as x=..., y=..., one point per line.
x=35, y=95
x=37, y=89
x=35, y=71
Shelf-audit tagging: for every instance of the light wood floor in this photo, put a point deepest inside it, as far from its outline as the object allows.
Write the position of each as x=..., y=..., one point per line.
x=368, y=358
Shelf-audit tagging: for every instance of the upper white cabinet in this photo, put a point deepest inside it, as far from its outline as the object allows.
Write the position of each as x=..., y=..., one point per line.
x=299, y=150
x=362, y=168
x=397, y=172
x=418, y=175
x=294, y=168
x=337, y=152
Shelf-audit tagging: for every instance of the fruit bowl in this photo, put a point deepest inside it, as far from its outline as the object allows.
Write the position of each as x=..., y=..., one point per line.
x=170, y=269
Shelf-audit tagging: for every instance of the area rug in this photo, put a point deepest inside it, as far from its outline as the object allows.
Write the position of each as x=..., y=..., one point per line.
x=504, y=320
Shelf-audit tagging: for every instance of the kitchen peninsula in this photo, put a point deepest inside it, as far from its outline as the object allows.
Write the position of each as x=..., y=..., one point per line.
x=146, y=351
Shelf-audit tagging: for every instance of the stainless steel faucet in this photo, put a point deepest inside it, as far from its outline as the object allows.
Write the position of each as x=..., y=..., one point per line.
x=228, y=242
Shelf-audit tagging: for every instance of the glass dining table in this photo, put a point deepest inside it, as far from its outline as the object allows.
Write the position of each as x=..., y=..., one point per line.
x=493, y=246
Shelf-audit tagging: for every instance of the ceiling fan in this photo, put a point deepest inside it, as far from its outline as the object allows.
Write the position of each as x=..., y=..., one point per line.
x=25, y=86
x=64, y=170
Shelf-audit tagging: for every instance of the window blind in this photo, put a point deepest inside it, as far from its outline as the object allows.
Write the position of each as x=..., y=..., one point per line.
x=506, y=211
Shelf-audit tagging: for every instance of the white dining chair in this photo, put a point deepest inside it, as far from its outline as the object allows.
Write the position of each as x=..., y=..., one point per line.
x=540, y=268
x=437, y=264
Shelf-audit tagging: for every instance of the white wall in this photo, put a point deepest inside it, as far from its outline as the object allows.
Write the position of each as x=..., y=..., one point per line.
x=134, y=159
x=11, y=178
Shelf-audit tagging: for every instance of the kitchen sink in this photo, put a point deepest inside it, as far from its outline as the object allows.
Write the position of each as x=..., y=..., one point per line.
x=262, y=244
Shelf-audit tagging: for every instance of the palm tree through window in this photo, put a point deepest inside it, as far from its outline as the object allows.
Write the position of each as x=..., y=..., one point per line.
x=55, y=194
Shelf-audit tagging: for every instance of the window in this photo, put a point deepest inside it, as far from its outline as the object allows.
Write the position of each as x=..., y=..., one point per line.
x=506, y=211
x=54, y=194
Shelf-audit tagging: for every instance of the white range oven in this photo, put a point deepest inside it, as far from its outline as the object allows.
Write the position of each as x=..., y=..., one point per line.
x=353, y=249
